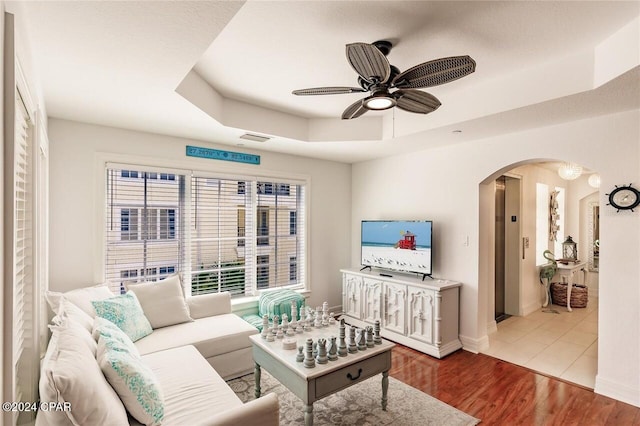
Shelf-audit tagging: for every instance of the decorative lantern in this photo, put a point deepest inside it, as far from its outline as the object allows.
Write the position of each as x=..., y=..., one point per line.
x=569, y=249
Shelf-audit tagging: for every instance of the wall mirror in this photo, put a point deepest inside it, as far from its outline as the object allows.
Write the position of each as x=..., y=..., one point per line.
x=594, y=236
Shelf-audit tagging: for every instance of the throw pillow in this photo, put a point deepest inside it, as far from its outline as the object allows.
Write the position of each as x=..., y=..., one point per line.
x=67, y=311
x=163, y=302
x=112, y=333
x=125, y=312
x=133, y=381
x=70, y=374
x=81, y=297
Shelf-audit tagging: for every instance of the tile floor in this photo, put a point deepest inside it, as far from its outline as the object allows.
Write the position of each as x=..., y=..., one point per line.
x=563, y=345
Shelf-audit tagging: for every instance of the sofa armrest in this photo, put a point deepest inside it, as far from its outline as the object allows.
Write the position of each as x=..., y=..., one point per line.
x=264, y=411
x=209, y=305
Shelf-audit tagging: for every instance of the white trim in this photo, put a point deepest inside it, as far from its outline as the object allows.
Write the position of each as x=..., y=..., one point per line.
x=617, y=391
x=474, y=345
x=492, y=327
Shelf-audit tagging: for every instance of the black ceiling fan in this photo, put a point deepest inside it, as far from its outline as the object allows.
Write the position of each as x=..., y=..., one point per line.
x=377, y=76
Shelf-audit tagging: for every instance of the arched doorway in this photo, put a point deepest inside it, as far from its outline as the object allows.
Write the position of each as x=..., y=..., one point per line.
x=564, y=344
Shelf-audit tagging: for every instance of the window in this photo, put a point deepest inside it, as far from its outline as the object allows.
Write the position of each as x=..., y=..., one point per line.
x=263, y=226
x=129, y=224
x=239, y=235
x=293, y=225
x=128, y=174
x=293, y=269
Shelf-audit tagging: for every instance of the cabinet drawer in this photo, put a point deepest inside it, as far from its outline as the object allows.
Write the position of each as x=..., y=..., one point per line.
x=352, y=374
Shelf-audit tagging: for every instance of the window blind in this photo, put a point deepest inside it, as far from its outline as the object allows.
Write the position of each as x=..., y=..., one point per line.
x=143, y=233
x=220, y=233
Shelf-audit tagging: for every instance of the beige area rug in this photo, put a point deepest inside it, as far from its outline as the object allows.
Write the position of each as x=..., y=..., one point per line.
x=359, y=404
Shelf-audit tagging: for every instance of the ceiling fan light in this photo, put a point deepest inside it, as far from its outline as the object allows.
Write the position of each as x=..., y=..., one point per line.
x=570, y=171
x=378, y=102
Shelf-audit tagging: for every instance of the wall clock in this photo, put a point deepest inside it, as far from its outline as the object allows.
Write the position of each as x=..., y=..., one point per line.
x=624, y=198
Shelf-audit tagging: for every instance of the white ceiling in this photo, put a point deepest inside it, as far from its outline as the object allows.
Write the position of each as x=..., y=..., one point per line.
x=121, y=64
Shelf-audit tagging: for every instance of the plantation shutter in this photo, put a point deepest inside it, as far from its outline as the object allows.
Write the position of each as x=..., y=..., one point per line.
x=144, y=225
x=221, y=233
x=25, y=350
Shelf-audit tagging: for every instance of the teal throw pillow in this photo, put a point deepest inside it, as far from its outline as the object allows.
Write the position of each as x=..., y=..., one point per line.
x=125, y=312
x=134, y=382
x=114, y=337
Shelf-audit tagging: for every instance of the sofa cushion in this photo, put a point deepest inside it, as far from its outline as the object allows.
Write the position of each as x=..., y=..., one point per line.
x=107, y=329
x=68, y=311
x=125, y=312
x=212, y=336
x=70, y=374
x=163, y=302
x=193, y=391
x=80, y=297
x=134, y=382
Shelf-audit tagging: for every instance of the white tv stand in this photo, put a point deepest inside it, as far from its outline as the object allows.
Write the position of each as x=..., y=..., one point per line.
x=422, y=315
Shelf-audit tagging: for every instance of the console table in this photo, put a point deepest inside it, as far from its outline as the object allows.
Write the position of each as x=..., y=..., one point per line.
x=566, y=272
x=422, y=315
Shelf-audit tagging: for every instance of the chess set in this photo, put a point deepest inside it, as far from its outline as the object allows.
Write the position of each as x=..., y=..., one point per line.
x=323, y=350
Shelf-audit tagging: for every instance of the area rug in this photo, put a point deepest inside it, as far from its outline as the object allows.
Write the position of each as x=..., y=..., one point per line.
x=358, y=404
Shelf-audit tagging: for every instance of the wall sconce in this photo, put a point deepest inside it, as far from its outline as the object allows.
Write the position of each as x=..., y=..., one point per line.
x=570, y=171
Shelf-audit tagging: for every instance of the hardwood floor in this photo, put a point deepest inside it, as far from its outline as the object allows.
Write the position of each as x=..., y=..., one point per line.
x=500, y=393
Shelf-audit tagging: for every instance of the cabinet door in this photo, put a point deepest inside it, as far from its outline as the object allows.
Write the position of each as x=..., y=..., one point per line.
x=372, y=300
x=421, y=314
x=395, y=298
x=351, y=291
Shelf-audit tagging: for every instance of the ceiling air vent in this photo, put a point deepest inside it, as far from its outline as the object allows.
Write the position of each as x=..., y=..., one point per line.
x=254, y=137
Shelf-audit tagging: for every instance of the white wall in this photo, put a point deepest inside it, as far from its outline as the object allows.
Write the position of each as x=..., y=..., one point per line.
x=2, y=77
x=74, y=221
x=443, y=184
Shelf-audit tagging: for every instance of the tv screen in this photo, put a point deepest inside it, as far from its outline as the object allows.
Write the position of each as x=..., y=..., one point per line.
x=399, y=245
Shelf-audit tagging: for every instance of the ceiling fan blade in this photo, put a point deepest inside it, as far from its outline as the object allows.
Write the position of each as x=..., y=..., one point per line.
x=337, y=90
x=354, y=110
x=435, y=72
x=369, y=62
x=416, y=101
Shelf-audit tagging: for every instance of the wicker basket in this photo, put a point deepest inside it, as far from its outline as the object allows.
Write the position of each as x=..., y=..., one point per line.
x=579, y=295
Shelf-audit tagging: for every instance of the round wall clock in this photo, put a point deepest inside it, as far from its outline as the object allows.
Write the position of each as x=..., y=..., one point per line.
x=624, y=198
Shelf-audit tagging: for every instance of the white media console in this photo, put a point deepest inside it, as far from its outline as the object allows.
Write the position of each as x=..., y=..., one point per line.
x=422, y=315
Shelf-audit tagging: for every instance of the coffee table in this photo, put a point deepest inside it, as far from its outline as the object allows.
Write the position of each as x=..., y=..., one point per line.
x=312, y=384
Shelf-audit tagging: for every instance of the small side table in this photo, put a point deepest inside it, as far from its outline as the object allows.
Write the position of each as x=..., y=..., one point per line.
x=566, y=273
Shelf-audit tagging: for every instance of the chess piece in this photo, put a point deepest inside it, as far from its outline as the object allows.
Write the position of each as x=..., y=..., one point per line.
x=279, y=333
x=303, y=314
x=288, y=343
x=369, y=331
x=314, y=351
x=361, y=339
x=332, y=319
x=309, y=362
x=342, y=344
x=265, y=326
x=376, y=333
x=318, y=319
x=352, y=340
x=294, y=311
x=285, y=324
x=300, y=355
x=270, y=336
x=276, y=323
x=332, y=352
x=321, y=358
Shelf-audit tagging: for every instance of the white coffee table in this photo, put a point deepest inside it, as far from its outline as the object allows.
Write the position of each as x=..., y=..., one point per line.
x=312, y=384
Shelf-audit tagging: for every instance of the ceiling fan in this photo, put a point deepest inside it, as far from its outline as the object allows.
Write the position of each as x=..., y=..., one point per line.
x=377, y=76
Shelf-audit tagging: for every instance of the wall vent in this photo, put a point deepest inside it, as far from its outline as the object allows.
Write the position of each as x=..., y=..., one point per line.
x=254, y=137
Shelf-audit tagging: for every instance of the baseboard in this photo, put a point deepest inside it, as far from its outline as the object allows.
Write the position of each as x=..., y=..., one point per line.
x=492, y=327
x=530, y=308
x=617, y=391
x=473, y=345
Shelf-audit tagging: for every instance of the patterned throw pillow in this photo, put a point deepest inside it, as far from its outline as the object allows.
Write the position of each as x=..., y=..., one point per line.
x=114, y=337
x=134, y=382
x=125, y=312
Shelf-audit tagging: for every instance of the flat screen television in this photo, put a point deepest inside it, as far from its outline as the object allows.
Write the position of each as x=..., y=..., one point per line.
x=397, y=245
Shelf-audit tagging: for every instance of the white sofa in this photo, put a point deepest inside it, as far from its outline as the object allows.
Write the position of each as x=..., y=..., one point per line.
x=181, y=358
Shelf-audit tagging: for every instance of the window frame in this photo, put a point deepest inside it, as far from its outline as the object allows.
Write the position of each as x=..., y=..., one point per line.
x=240, y=173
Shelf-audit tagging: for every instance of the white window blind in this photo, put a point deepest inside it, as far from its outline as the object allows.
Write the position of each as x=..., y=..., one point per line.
x=224, y=234
x=143, y=233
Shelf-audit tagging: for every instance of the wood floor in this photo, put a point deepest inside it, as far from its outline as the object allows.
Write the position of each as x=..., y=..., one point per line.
x=500, y=393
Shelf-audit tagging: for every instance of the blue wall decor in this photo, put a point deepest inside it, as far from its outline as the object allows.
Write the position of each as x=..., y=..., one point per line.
x=217, y=154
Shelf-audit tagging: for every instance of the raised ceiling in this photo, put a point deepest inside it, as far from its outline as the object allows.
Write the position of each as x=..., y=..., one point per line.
x=213, y=70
